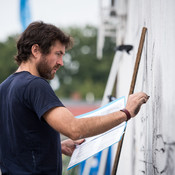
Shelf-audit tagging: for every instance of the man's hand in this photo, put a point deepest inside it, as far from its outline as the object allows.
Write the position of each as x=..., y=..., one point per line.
x=135, y=101
x=68, y=146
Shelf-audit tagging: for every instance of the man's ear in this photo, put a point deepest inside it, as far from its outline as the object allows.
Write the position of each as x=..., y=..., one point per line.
x=35, y=50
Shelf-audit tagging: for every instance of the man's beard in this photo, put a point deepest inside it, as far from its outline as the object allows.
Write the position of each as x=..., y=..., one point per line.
x=44, y=70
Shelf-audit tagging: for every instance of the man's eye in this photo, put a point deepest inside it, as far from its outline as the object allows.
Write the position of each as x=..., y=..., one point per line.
x=59, y=54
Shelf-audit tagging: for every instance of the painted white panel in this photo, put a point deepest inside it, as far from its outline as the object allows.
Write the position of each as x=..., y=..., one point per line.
x=149, y=145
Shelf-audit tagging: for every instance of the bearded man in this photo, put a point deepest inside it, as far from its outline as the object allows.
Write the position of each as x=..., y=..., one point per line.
x=32, y=116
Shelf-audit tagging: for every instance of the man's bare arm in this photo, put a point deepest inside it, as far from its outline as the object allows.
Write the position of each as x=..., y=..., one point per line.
x=62, y=120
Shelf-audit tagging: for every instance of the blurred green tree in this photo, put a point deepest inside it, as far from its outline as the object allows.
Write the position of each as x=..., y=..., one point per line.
x=7, y=52
x=82, y=71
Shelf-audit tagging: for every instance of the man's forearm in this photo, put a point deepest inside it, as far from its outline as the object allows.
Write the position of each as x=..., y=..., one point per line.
x=64, y=122
x=86, y=127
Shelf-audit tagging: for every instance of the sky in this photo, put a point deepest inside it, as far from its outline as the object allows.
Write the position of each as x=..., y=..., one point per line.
x=62, y=13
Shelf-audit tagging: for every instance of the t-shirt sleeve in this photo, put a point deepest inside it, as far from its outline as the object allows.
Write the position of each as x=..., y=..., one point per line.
x=40, y=97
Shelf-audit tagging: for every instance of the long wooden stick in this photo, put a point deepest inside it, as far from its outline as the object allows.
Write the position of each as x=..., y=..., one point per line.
x=132, y=86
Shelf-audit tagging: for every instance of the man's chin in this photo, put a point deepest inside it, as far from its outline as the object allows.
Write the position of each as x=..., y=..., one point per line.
x=49, y=77
x=52, y=76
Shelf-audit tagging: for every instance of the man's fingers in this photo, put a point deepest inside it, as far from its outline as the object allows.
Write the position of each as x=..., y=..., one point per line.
x=80, y=141
x=144, y=100
x=141, y=96
x=135, y=101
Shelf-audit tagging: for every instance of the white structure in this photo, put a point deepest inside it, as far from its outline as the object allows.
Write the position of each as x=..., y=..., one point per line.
x=112, y=22
x=149, y=144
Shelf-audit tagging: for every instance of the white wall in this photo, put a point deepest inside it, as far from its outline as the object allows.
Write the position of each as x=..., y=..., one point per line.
x=149, y=145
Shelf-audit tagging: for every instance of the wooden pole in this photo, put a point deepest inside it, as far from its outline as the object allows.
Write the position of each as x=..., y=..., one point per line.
x=132, y=86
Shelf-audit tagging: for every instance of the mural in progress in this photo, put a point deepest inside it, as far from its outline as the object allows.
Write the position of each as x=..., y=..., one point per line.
x=149, y=145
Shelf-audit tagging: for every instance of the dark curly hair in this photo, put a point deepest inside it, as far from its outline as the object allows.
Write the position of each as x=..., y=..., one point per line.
x=42, y=34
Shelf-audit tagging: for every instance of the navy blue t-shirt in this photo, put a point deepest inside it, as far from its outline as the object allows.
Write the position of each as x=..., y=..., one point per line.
x=28, y=145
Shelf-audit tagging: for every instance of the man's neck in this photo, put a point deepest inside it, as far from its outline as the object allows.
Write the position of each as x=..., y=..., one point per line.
x=29, y=67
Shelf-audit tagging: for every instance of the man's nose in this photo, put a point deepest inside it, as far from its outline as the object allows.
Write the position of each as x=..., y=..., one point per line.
x=60, y=62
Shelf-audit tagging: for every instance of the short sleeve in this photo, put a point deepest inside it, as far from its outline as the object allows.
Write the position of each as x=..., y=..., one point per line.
x=40, y=97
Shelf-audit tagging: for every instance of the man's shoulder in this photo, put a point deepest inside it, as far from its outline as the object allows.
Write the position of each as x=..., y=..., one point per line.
x=26, y=78
x=22, y=80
